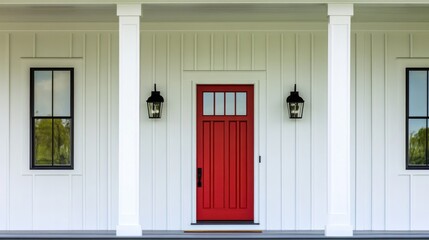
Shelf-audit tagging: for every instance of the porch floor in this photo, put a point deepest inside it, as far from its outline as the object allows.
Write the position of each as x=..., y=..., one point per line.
x=182, y=235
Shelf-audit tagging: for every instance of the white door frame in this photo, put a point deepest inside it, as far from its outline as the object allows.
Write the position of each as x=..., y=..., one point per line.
x=189, y=193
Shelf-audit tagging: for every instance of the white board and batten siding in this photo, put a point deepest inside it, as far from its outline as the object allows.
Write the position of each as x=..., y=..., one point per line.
x=293, y=152
x=386, y=196
x=293, y=194
x=83, y=198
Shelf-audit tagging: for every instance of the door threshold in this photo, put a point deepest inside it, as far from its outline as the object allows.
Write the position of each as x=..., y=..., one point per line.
x=225, y=223
x=223, y=231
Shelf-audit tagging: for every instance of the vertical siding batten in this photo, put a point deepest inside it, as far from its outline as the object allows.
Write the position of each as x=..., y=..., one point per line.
x=295, y=136
x=109, y=132
x=5, y=131
x=225, y=49
x=281, y=129
x=266, y=134
x=173, y=116
x=70, y=210
x=273, y=135
x=370, y=130
x=91, y=131
x=34, y=45
x=319, y=131
x=353, y=100
x=147, y=178
x=303, y=134
x=378, y=116
x=166, y=110
x=411, y=45
x=160, y=141
x=71, y=45
x=288, y=147
x=181, y=132
x=154, y=180
x=363, y=132
x=7, y=145
x=84, y=133
x=97, y=117
x=253, y=51
x=195, y=51
x=311, y=131
x=385, y=132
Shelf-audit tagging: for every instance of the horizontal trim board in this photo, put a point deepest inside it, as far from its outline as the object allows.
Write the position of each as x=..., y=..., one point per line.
x=210, y=26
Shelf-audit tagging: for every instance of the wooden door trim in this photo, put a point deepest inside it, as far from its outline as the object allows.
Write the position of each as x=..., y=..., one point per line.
x=258, y=80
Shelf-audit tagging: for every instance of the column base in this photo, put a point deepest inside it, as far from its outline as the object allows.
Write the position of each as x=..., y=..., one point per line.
x=339, y=231
x=129, y=230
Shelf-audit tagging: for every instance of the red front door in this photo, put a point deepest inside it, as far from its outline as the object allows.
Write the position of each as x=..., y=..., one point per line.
x=225, y=152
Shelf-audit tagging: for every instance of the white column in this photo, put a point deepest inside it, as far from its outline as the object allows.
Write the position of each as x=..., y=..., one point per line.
x=339, y=217
x=129, y=121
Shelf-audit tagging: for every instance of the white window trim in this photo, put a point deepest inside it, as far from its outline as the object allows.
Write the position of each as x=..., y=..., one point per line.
x=77, y=64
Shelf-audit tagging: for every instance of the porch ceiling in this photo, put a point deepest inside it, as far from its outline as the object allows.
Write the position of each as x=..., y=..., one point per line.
x=274, y=12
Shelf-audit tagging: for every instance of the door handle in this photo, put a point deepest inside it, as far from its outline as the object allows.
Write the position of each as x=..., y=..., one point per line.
x=199, y=175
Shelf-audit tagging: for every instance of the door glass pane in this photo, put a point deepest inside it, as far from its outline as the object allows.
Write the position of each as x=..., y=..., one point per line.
x=230, y=103
x=42, y=142
x=417, y=142
x=241, y=103
x=208, y=103
x=62, y=93
x=42, y=93
x=62, y=142
x=220, y=104
x=418, y=93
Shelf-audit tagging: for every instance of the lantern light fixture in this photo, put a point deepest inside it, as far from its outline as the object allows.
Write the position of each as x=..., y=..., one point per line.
x=154, y=104
x=295, y=105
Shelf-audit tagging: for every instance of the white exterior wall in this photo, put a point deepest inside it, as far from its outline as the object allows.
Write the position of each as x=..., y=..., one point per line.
x=386, y=195
x=293, y=169
x=50, y=200
x=295, y=187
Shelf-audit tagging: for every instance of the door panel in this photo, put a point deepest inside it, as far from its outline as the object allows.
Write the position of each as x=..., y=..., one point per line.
x=225, y=152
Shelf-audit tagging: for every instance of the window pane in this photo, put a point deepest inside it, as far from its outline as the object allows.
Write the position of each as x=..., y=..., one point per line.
x=62, y=93
x=62, y=142
x=417, y=142
x=208, y=103
x=230, y=103
x=418, y=93
x=220, y=103
x=241, y=103
x=42, y=142
x=42, y=93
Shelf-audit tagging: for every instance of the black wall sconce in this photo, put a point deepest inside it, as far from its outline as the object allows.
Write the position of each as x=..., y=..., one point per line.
x=295, y=105
x=154, y=104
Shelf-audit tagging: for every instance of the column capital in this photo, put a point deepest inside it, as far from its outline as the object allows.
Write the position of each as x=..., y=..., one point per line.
x=134, y=9
x=336, y=9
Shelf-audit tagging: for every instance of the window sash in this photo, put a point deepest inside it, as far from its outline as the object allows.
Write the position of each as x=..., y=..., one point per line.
x=415, y=138
x=67, y=146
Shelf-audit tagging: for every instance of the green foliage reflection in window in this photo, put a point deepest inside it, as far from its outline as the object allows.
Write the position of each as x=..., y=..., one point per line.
x=51, y=118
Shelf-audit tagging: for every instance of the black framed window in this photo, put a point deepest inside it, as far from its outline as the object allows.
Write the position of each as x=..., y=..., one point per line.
x=417, y=111
x=51, y=118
